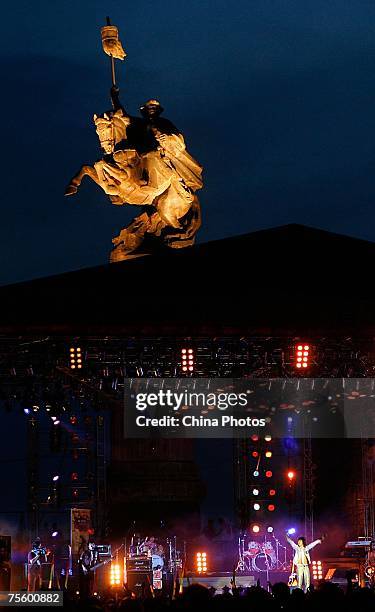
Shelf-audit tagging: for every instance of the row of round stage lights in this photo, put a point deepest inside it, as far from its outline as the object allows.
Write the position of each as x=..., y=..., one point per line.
x=187, y=360
x=302, y=356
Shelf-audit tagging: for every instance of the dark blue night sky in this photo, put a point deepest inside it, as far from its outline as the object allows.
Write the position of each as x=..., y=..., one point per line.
x=275, y=98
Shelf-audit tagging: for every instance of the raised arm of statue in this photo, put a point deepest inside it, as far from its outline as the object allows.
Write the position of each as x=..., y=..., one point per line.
x=115, y=97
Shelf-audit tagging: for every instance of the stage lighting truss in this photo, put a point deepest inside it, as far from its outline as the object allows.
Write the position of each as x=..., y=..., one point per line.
x=27, y=365
x=115, y=357
x=201, y=562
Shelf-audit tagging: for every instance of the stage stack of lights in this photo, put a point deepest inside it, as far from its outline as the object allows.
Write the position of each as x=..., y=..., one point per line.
x=302, y=356
x=201, y=562
x=262, y=488
x=187, y=360
x=317, y=570
x=75, y=358
x=115, y=575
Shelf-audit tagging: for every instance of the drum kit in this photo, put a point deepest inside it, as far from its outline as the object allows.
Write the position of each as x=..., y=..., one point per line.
x=161, y=553
x=261, y=556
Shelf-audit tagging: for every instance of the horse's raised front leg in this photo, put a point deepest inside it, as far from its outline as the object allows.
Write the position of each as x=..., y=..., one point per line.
x=72, y=188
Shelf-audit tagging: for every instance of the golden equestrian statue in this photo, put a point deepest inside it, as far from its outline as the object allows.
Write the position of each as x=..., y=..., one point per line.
x=144, y=163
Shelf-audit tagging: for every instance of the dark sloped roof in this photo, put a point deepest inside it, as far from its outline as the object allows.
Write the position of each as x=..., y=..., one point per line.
x=284, y=280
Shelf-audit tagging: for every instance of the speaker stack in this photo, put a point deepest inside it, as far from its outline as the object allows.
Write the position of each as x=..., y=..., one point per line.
x=139, y=575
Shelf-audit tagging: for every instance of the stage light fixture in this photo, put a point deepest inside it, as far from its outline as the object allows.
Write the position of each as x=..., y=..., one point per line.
x=269, y=474
x=255, y=454
x=115, y=575
x=255, y=529
x=271, y=508
x=75, y=358
x=302, y=356
x=256, y=506
x=187, y=360
x=201, y=562
x=270, y=529
x=255, y=491
x=73, y=420
x=291, y=531
x=74, y=476
x=268, y=438
x=317, y=570
x=291, y=475
x=55, y=478
x=255, y=438
x=55, y=534
x=26, y=410
x=272, y=492
x=256, y=473
x=268, y=454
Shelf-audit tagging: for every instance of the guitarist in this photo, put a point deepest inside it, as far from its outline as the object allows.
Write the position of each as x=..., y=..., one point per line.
x=86, y=563
x=35, y=558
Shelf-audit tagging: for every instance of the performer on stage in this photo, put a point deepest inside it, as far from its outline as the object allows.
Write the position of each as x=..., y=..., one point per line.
x=35, y=558
x=86, y=563
x=62, y=559
x=301, y=559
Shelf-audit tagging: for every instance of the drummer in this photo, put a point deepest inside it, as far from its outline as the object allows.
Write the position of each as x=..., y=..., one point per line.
x=149, y=546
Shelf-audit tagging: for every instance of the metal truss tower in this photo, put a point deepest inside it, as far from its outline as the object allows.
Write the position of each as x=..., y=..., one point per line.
x=308, y=486
x=368, y=486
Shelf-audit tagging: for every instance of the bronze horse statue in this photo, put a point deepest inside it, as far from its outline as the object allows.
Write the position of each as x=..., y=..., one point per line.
x=163, y=181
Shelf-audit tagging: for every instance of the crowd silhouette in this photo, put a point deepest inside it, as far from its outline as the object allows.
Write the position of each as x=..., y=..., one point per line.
x=198, y=597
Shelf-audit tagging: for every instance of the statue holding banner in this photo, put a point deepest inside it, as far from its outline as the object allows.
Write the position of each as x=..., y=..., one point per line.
x=144, y=163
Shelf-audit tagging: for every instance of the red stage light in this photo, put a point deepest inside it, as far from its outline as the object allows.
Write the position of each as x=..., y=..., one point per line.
x=269, y=474
x=291, y=475
x=187, y=360
x=272, y=492
x=255, y=454
x=271, y=507
x=302, y=354
x=255, y=438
